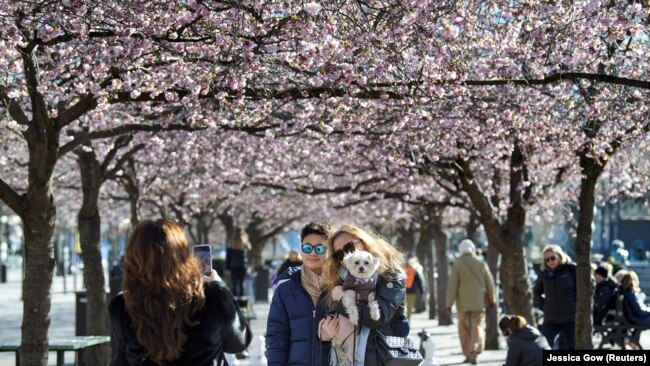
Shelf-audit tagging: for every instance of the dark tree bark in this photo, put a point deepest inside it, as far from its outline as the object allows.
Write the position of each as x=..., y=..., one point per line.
x=129, y=181
x=473, y=225
x=591, y=170
x=507, y=236
x=442, y=268
x=259, y=236
x=406, y=239
x=89, y=225
x=38, y=213
x=492, y=328
x=424, y=251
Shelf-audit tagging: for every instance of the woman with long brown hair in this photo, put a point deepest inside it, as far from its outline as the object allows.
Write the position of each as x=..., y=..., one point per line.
x=168, y=312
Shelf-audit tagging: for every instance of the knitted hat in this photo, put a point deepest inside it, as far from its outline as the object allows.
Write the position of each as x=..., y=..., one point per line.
x=466, y=246
x=601, y=271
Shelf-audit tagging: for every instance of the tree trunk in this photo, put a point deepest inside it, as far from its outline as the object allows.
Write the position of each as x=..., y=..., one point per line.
x=591, y=170
x=255, y=255
x=38, y=213
x=38, y=222
x=442, y=267
x=516, y=287
x=491, y=326
x=506, y=237
x=406, y=239
x=89, y=224
x=473, y=225
x=424, y=251
x=130, y=183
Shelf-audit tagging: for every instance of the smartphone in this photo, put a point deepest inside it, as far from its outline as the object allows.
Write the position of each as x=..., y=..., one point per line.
x=204, y=254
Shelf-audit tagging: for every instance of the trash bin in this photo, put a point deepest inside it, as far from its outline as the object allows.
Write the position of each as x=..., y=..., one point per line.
x=81, y=327
x=261, y=286
x=81, y=299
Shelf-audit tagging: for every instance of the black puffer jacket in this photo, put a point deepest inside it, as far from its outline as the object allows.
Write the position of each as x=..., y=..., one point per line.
x=604, y=299
x=391, y=298
x=558, y=288
x=525, y=347
x=219, y=330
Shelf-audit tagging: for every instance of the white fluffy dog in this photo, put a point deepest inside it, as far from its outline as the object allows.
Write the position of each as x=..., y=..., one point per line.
x=361, y=279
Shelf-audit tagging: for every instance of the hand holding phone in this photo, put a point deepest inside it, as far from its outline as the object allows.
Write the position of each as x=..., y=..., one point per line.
x=204, y=254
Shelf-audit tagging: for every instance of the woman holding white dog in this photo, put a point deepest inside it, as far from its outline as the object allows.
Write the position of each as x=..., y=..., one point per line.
x=385, y=308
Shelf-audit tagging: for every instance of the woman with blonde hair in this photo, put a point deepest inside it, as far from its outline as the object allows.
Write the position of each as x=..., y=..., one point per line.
x=237, y=260
x=635, y=311
x=169, y=312
x=525, y=343
x=555, y=294
x=390, y=292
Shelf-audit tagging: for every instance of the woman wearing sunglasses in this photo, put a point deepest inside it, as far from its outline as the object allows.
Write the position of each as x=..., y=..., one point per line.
x=390, y=291
x=555, y=294
x=291, y=327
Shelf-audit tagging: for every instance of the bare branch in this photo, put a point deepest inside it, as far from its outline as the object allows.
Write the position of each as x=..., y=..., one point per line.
x=14, y=108
x=122, y=130
x=12, y=199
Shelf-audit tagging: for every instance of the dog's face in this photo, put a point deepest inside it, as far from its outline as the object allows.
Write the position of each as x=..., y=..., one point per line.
x=361, y=264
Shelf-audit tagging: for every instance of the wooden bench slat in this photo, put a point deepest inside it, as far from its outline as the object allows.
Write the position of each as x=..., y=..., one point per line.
x=61, y=344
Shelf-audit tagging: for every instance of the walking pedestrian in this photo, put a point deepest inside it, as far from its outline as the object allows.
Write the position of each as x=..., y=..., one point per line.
x=471, y=287
x=414, y=284
x=555, y=294
x=292, y=324
x=168, y=307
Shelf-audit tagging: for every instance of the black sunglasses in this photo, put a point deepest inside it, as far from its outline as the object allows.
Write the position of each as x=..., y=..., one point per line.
x=320, y=249
x=347, y=248
x=551, y=258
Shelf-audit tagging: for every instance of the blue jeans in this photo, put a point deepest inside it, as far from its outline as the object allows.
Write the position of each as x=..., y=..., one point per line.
x=566, y=331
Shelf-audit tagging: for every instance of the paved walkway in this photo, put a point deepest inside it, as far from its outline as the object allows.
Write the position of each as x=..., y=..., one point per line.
x=63, y=324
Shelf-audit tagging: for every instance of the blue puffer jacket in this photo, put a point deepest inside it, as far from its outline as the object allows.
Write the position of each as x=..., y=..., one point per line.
x=291, y=329
x=559, y=289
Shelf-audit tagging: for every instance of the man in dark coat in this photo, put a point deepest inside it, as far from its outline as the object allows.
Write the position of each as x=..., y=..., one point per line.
x=604, y=294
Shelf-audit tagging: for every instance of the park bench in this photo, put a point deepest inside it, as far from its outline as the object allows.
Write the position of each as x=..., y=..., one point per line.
x=618, y=330
x=60, y=345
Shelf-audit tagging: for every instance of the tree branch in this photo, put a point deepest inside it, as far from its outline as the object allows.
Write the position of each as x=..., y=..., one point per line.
x=122, y=130
x=110, y=174
x=11, y=198
x=13, y=107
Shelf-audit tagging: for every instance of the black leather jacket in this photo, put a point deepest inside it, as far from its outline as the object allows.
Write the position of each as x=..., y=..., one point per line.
x=220, y=330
